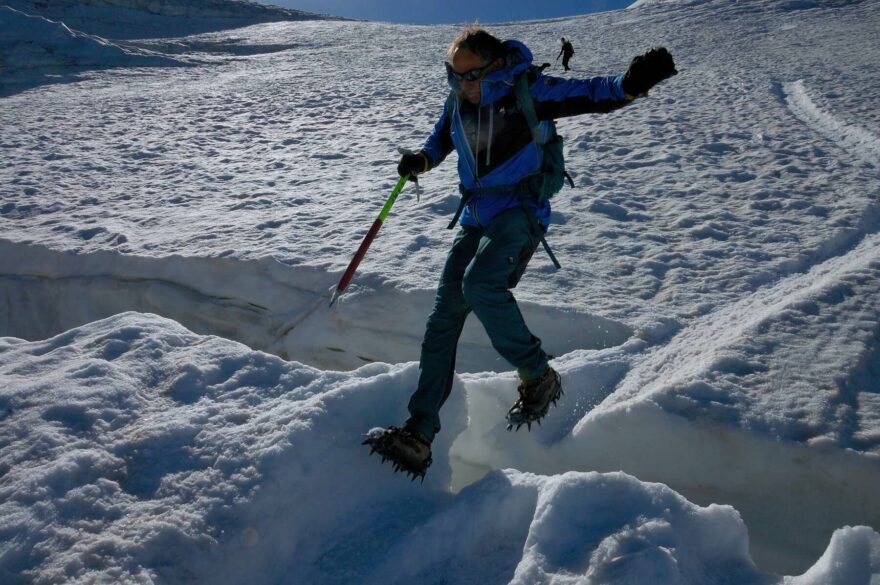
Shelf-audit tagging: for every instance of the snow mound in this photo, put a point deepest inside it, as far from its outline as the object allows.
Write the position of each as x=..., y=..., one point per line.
x=130, y=444
x=33, y=46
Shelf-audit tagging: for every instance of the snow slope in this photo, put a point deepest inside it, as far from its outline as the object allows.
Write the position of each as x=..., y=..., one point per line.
x=33, y=45
x=44, y=42
x=137, y=19
x=715, y=321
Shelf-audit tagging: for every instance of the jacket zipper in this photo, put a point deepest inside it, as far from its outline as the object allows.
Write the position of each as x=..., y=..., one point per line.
x=473, y=157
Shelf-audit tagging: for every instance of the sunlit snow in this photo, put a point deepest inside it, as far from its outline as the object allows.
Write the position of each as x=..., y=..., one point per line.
x=178, y=403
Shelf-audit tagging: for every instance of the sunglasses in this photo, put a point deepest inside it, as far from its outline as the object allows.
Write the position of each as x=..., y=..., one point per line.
x=472, y=75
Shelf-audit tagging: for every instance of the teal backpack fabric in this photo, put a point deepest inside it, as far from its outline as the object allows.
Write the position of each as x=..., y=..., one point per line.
x=552, y=177
x=541, y=185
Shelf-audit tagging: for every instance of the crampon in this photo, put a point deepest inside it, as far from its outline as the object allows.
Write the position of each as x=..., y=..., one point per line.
x=407, y=450
x=535, y=399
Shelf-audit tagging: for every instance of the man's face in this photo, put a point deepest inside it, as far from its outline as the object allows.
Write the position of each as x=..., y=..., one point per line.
x=464, y=61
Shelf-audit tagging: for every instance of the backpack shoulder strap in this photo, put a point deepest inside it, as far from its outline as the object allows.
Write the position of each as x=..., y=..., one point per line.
x=527, y=105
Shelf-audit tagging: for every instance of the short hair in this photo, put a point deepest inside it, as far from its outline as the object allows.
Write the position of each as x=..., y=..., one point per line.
x=478, y=41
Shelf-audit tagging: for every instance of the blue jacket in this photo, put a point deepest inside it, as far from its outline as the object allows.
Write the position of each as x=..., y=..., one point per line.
x=493, y=141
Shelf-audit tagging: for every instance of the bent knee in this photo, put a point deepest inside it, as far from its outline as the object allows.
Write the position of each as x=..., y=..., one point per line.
x=479, y=291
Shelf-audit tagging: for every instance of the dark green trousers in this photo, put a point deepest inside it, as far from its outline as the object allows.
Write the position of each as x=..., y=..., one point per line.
x=481, y=268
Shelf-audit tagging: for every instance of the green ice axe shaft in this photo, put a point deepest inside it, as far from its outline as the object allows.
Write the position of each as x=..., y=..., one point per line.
x=368, y=239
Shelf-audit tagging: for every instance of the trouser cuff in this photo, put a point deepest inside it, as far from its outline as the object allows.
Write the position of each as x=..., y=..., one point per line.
x=424, y=429
x=528, y=375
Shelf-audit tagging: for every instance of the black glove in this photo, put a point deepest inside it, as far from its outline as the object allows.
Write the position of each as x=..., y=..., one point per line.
x=413, y=163
x=648, y=70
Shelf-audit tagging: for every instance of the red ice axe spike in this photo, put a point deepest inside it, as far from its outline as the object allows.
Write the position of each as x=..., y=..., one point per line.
x=368, y=239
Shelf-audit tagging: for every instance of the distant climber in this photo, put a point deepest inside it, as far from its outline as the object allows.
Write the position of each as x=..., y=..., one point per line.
x=566, y=52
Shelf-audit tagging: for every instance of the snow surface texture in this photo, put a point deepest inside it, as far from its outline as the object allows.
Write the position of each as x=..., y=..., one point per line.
x=137, y=451
x=715, y=319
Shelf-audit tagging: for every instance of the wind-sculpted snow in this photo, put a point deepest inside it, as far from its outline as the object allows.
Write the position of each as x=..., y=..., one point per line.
x=32, y=46
x=858, y=141
x=130, y=19
x=712, y=370
x=136, y=451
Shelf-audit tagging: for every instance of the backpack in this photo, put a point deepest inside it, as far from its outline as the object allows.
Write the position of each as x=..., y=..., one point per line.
x=552, y=176
x=541, y=185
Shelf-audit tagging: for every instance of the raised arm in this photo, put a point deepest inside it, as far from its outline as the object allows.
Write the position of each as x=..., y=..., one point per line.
x=557, y=97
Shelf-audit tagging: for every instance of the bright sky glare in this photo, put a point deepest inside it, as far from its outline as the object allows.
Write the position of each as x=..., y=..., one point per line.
x=452, y=11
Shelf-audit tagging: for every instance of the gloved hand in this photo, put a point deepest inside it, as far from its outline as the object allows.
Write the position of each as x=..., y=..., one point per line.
x=413, y=163
x=648, y=70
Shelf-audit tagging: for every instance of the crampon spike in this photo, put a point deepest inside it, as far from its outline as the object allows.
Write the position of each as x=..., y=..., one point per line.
x=386, y=442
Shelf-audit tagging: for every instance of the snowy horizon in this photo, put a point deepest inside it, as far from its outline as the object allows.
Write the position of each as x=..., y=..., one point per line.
x=432, y=12
x=140, y=19
x=179, y=404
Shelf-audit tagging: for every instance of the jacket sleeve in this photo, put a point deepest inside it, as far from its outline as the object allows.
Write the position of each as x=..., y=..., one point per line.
x=439, y=143
x=557, y=97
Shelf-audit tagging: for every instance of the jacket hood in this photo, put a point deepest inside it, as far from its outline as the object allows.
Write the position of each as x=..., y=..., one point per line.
x=499, y=83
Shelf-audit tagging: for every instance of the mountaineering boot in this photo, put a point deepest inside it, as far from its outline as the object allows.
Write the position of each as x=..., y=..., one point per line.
x=535, y=398
x=408, y=450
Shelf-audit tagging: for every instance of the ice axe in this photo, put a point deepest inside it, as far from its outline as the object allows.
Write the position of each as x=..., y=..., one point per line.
x=368, y=239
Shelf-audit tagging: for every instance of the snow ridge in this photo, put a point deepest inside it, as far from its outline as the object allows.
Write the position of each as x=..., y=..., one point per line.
x=130, y=19
x=854, y=139
x=262, y=303
x=31, y=46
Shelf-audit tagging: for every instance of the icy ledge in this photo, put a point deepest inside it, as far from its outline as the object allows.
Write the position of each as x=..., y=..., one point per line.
x=265, y=304
x=133, y=450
